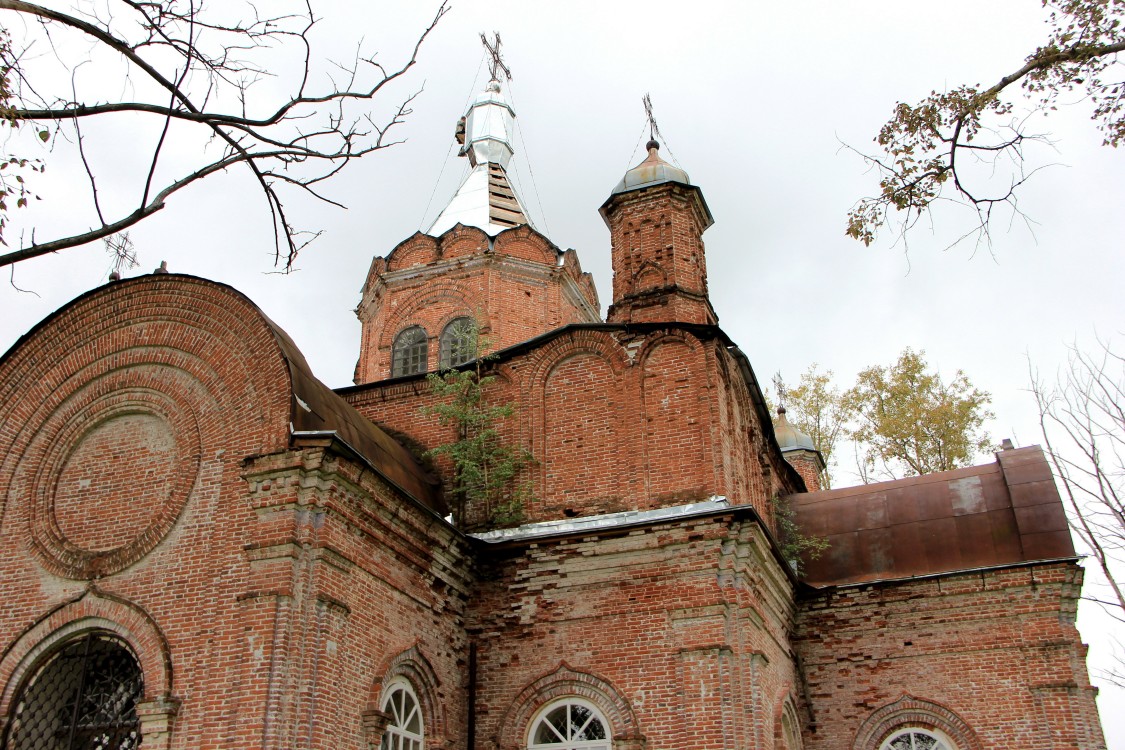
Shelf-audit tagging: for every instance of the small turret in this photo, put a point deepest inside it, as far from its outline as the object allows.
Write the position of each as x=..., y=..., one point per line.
x=656, y=220
x=799, y=450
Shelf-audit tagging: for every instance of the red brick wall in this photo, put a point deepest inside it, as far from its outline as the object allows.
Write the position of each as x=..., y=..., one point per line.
x=354, y=578
x=994, y=655
x=659, y=268
x=675, y=414
x=677, y=633
x=614, y=421
x=271, y=591
x=807, y=465
x=514, y=286
x=267, y=598
x=582, y=418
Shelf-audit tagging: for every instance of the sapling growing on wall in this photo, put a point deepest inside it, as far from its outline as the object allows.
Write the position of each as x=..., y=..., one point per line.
x=486, y=469
x=796, y=547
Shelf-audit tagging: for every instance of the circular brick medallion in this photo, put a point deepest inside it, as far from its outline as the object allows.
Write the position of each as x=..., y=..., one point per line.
x=120, y=460
x=115, y=481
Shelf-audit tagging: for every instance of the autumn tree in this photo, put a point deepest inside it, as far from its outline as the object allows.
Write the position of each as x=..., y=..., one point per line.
x=968, y=144
x=815, y=406
x=1082, y=418
x=237, y=85
x=907, y=420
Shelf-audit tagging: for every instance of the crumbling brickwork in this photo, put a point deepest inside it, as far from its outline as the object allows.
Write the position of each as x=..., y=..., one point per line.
x=678, y=630
x=989, y=657
x=265, y=591
x=659, y=268
x=174, y=480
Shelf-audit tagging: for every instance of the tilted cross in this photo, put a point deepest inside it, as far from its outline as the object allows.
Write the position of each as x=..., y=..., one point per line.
x=653, y=128
x=497, y=65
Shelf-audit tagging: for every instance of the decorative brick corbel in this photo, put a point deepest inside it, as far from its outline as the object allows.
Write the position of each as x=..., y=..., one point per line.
x=374, y=723
x=157, y=717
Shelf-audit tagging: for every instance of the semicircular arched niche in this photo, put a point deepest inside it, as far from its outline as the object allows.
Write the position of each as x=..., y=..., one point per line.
x=581, y=437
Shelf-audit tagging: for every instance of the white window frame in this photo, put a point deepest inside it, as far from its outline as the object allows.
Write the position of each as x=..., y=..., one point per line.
x=944, y=743
x=396, y=735
x=568, y=743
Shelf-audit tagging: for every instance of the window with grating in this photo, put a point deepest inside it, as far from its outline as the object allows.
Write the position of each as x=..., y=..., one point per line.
x=404, y=730
x=82, y=697
x=458, y=343
x=570, y=724
x=409, y=352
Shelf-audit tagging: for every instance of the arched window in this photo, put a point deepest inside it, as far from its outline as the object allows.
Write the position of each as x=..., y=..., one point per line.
x=404, y=730
x=410, y=352
x=82, y=697
x=917, y=739
x=790, y=735
x=569, y=724
x=458, y=343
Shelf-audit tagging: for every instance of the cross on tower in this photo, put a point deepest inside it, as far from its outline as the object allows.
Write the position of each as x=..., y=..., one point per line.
x=653, y=128
x=496, y=66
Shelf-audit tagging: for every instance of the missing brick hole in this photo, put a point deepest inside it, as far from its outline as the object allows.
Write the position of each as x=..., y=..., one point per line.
x=570, y=513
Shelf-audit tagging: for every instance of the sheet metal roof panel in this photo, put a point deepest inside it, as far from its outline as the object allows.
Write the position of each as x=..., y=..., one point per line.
x=975, y=517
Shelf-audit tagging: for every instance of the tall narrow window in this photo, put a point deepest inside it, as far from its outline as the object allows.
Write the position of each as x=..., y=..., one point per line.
x=82, y=697
x=405, y=730
x=790, y=736
x=410, y=352
x=917, y=739
x=570, y=724
x=458, y=342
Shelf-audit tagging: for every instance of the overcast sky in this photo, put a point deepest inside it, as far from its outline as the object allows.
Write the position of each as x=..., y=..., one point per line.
x=754, y=100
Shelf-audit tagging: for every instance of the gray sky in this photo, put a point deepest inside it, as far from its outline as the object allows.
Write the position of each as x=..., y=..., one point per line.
x=754, y=100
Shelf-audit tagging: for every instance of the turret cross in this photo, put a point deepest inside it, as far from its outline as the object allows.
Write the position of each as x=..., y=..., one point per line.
x=496, y=66
x=653, y=128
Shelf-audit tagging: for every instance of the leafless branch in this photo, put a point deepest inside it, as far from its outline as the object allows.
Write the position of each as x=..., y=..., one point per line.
x=199, y=60
x=1082, y=418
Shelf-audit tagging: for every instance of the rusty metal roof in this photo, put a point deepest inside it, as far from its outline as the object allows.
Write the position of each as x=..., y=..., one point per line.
x=1004, y=513
x=316, y=409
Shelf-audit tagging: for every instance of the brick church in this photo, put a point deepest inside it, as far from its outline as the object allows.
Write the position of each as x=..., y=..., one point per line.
x=206, y=547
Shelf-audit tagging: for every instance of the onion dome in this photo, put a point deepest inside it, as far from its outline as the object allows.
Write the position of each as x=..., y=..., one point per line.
x=652, y=171
x=789, y=438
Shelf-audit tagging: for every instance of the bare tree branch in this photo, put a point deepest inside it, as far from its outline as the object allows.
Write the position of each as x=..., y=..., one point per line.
x=1082, y=418
x=199, y=58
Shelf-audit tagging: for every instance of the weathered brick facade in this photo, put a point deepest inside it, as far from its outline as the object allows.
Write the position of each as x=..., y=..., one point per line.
x=516, y=286
x=616, y=418
x=276, y=561
x=267, y=589
x=947, y=651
